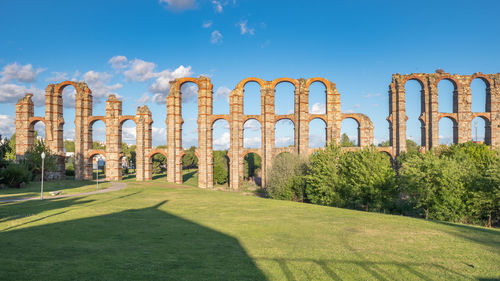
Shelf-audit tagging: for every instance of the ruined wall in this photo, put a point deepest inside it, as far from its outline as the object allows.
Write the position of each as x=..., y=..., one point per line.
x=54, y=121
x=461, y=116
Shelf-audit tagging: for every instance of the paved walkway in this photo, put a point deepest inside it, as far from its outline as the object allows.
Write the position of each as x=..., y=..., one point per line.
x=115, y=186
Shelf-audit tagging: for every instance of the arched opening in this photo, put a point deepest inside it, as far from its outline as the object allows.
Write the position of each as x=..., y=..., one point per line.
x=479, y=95
x=349, y=133
x=221, y=142
x=317, y=133
x=189, y=109
x=478, y=132
x=251, y=98
x=447, y=96
x=252, y=134
x=414, y=104
x=190, y=167
x=158, y=163
x=284, y=98
x=98, y=167
x=317, y=98
x=284, y=133
x=252, y=169
x=98, y=131
x=128, y=146
x=447, y=131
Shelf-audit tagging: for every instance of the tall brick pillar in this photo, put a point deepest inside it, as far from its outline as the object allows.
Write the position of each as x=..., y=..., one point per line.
x=400, y=113
x=24, y=134
x=174, y=133
x=393, y=124
x=143, y=143
x=113, y=139
x=464, y=110
x=333, y=114
x=204, y=129
x=302, y=110
x=495, y=110
x=267, y=112
x=236, y=138
x=83, y=136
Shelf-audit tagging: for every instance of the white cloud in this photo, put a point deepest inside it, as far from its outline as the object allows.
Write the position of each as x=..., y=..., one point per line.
x=207, y=24
x=217, y=6
x=7, y=125
x=179, y=5
x=11, y=93
x=128, y=134
x=244, y=29
x=222, y=93
x=161, y=86
x=318, y=108
x=118, y=62
x=98, y=83
x=143, y=99
x=57, y=77
x=284, y=141
x=216, y=37
x=140, y=71
x=222, y=142
x=21, y=73
x=252, y=142
x=316, y=140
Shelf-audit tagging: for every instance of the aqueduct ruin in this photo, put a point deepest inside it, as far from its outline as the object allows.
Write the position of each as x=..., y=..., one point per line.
x=301, y=117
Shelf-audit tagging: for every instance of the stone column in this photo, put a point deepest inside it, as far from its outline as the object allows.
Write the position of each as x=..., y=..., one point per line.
x=113, y=139
x=393, y=124
x=400, y=114
x=54, y=122
x=24, y=134
x=333, y=114
x=83, y=109
x=267, y=109
x=204, y=91
x=433, y=124
x=171, y=133
x=365, y=131
x=494, y=107
x=463, y=110
x=236, y=142
x=143, y=143
x=87, y=168
x=302, y=113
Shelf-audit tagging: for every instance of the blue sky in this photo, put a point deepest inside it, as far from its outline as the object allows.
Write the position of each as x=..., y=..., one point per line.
x=133, y=48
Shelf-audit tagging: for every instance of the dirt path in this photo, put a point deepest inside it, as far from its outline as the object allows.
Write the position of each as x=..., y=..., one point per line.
x=115, y=186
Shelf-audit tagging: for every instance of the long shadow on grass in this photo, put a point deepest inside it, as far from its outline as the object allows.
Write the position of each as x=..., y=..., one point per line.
x=135, y=244
x=189, y=175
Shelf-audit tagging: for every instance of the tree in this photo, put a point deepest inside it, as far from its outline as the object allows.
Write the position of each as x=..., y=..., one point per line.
x=221, y=170
x=286, y=178
x=189, y=160
x=386, y=143
x=159, y=163
x=11, y=154
x=5, y=149
x=322, y=179
x=33, y=159
x=412, y=146
x=367, y=180
x=433, y=186
x=98, y=146
x=252, y=164
x=345, y=141
x=69, y=145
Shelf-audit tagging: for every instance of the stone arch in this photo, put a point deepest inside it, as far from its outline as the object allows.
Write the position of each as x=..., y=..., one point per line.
x=358, y=122
x=312, y=99
x=243, y=82
x=95, y=152
x=93, y=119
x=486, y=103
x=422, y=97
x=279, y=95
x=328, y=85
x=442, y=95
x=454, y=122
x=486, y=130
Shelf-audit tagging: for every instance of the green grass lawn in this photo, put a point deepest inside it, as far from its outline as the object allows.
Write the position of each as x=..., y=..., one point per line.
x=161, y=231
x=69, y=186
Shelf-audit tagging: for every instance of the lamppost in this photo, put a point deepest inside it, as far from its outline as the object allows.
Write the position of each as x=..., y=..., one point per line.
x=43, y=162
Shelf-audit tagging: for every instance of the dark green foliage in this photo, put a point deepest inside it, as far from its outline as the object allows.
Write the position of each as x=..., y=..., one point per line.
x=221, y=169
x=367, y=180
x=5, y=149
x=433, y=186
x=252, y=165
x=286, y=179
x=322, y=180
x=412, y=146
x=69, y=146
x=15, y=174
x=189, y=160
x=70, y=167
x=386, y=143
x=159, y=163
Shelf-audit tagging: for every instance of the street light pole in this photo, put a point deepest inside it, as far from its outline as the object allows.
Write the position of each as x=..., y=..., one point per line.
x=43, y=162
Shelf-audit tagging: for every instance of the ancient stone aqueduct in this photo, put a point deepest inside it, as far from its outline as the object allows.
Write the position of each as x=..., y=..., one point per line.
x=429, y=118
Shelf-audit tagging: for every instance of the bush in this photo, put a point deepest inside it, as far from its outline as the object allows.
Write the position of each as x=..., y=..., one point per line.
x=221, y=172
x=434, y=187
x=286, y=178
x=33, y=159
x=367, y=180
x=159, y=161
x=15, y=174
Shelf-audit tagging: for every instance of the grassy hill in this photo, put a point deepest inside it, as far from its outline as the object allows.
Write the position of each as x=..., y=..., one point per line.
x=161, y=231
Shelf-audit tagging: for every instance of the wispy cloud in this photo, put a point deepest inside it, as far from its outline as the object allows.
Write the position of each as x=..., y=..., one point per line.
x=216, y=37
x=244, y=29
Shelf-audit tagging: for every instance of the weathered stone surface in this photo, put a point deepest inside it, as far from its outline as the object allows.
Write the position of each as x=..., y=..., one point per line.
x=53, y=119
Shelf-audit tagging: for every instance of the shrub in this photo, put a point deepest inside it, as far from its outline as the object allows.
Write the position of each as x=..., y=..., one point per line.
x=433, y=186
x=286, y=179
x=33, y=159
x=15, y=174
x=322, y=179
x=220, y=167
x=367, y=180
x=159, y=161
